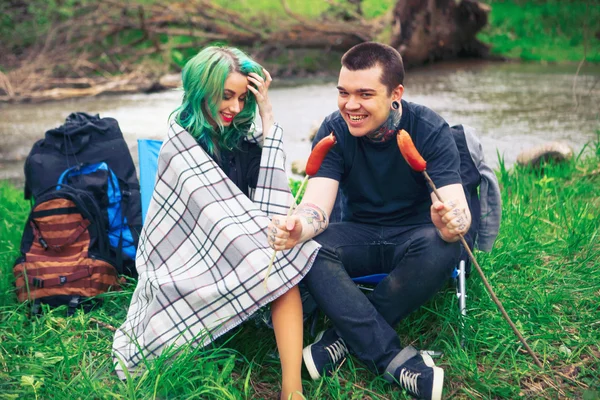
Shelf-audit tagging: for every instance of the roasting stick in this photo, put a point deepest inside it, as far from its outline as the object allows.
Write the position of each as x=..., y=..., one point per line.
x=317, y=155
x=416, y=162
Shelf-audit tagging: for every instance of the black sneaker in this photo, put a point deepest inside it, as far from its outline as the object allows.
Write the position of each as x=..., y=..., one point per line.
x=421, y=378
x=325, y=354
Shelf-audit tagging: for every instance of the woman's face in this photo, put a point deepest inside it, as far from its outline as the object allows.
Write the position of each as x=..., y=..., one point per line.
x=234, y=97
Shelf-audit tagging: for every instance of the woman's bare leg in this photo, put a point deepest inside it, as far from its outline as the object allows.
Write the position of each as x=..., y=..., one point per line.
x=286, y=312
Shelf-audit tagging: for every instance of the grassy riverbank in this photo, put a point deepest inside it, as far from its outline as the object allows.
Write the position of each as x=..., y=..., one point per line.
x=546, y=31
x=544, y=268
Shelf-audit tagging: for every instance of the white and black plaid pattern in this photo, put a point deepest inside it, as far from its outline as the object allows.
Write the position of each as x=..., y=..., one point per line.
x=203, y=251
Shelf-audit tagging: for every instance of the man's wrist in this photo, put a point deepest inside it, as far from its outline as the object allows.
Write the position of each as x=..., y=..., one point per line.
x=313, y=218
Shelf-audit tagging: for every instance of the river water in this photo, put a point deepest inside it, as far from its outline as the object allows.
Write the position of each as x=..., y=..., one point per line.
x=512, y=106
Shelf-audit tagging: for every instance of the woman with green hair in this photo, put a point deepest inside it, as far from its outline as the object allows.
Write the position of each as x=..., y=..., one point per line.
x=215, y=282
x=222, y=87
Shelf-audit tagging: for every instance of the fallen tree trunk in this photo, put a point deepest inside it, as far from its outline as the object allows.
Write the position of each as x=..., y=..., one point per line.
x=425, y=31
x=74, y=88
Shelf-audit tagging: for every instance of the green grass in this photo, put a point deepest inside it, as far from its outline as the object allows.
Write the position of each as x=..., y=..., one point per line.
x=544, y=268
x=546, y=31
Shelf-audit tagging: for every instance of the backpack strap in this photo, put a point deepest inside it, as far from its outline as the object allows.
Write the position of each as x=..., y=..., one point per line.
x=70, y=146
x=47, y=244
x=59, y=280
x=84, y=272
x=124, y=201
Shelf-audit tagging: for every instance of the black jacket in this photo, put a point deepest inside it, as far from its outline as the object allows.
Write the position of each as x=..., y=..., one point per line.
x=241, y=165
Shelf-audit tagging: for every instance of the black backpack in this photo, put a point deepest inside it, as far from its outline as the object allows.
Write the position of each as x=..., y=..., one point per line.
x=89, y=153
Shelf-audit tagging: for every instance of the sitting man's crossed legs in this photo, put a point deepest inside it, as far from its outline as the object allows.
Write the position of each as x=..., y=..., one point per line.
x=418, y=263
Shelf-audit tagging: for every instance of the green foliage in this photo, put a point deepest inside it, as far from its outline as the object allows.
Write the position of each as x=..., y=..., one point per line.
x=14, y=210
x=376, y=8
x=311, y=8
x=25, y=22
x=294, y=186
x=544, y=30
x=274, y=8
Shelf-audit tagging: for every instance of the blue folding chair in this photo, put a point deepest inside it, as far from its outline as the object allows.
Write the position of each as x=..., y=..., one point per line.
x=368, y=283
x=148, y=151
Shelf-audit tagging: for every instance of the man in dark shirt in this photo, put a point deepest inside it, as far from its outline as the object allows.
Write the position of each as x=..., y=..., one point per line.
x=392, y=223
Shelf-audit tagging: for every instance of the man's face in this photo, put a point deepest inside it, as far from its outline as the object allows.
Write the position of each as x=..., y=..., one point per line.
x=363, y=100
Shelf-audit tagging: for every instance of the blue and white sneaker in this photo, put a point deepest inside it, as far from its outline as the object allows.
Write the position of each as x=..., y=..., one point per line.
x=420, y=377
x=325, y=354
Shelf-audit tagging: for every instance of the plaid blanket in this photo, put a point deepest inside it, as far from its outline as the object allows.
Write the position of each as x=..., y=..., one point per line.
x=203, y=252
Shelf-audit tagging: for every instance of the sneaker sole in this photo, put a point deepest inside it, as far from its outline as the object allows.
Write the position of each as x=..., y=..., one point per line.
x=308, y=359
x=438, y=377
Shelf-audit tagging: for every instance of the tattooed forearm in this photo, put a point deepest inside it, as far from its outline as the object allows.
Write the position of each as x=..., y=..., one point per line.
x=314, y=216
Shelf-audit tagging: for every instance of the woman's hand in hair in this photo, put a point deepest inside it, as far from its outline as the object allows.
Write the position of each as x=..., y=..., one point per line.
x=260, y=87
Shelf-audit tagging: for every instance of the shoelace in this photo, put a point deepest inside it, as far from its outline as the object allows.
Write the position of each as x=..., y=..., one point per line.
x=337, y=350
x=408, y=380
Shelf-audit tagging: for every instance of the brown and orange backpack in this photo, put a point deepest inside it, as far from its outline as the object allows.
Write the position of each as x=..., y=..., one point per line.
x=65, y=252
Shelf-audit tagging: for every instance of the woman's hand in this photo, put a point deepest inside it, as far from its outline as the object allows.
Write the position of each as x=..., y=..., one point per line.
x=260, y=88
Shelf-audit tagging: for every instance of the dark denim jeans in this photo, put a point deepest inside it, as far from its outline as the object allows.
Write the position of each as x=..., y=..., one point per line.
x=418, y=263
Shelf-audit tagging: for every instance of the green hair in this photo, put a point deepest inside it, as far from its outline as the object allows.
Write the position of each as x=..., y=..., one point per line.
x=203, y=79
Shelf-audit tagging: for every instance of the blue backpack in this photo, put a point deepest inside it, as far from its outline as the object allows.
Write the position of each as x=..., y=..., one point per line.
x=102, y=182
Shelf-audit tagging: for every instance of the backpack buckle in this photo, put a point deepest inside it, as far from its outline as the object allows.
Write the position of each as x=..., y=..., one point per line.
x=73, y=304
x=37, y=282
x=43, y=243
x=36, y=307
